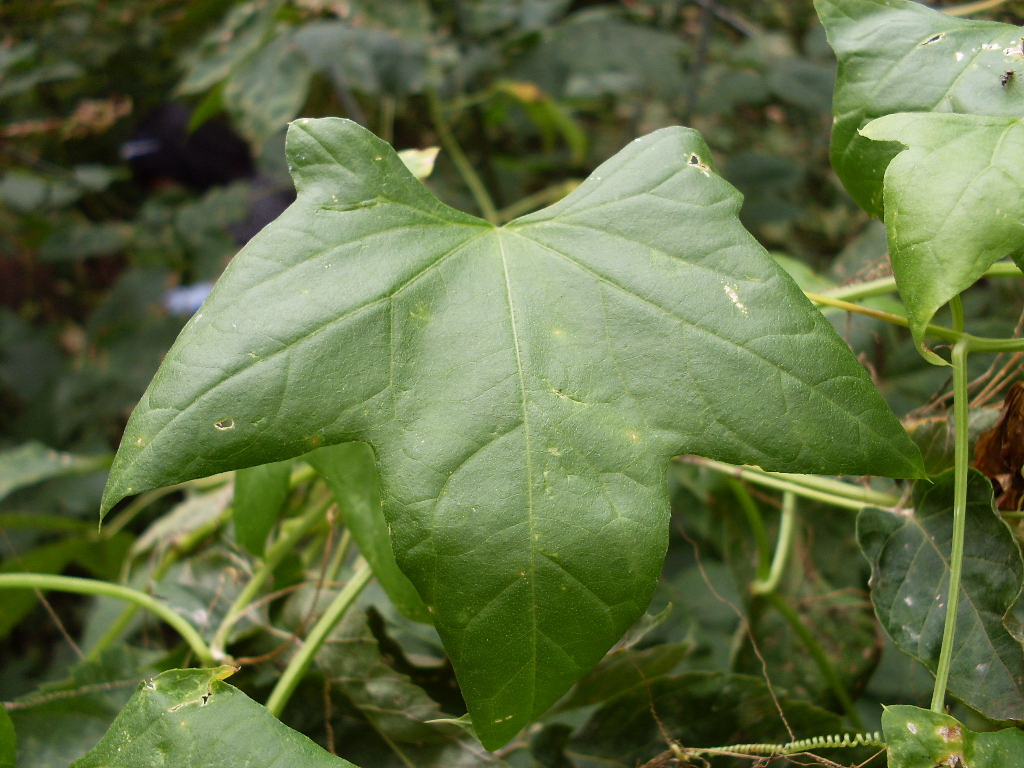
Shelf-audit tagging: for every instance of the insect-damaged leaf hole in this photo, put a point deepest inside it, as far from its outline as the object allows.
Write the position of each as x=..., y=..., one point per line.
x=224, y=424
x=695, y=162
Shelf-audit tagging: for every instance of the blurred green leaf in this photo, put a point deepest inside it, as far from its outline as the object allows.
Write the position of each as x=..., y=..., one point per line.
x=622, y=670
x=485, y=17
x=34, y=462
x=83, y=240
x=28, y=192
x=260, y=493
x=596, y=53
x=243, y=30
x=842, y=623
x=351, y=659
x=366, y=59
x=184, y=713
x=8, y=740
x=934, y=436
x=195, y=511
x=910, y=580
x=953, y=203
x=268, y=89
x=899, y=56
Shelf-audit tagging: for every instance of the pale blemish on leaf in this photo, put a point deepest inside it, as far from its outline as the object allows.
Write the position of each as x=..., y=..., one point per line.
x=735, y=298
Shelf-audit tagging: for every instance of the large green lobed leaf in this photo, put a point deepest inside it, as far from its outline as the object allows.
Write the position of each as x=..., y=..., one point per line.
x=522, y=388
x=954, y=202
x=899, y=56
x=909, y=557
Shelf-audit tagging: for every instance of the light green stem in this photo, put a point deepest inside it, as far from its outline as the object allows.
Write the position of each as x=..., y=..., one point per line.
x=834, y=492
x=956, y=308
x=969, y=8
x=287, y=683
x=338, y=558
x=977, y=343
x=753, y=515
x=783, y=546
x=462, y=164
x=182, y=547
x=98, y=588
x=885, y=285
x=285, y=543
x=536, y=200
x=956, y=557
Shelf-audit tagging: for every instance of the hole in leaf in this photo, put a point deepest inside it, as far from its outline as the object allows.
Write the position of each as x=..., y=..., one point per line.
x=224, y=424
x=696, y=162
x=933, y=39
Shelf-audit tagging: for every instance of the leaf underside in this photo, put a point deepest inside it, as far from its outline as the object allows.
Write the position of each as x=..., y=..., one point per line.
x=909, y=558
x=899, y=56
x=522, y=388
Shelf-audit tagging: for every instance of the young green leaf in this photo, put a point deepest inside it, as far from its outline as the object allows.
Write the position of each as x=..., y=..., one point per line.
x=920, y=738
x=351, y=472
x=899, y=56
x=954, y=203
x=260, y=493
x=189, y=717
x=523, y=388
x=909, y=557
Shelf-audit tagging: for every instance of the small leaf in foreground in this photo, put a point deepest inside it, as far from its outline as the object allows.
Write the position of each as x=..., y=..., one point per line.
x=909, y=555
x=900, y=56
x=523, y=388
x=954, y=202
x=189, y=717
x=920, y=738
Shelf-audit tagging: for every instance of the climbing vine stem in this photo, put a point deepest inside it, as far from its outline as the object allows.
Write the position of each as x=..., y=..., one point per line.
x=961, y=447
x=783, y=546
x=98, y=588
x=300, y=662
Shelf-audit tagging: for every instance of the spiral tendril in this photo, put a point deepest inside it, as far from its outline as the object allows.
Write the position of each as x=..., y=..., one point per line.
x=789, y=748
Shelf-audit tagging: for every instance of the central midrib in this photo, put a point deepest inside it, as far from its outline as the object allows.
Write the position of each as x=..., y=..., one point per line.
x=529, y=462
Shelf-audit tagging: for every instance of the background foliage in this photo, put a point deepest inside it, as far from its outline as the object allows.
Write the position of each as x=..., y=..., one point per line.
x=537, y=93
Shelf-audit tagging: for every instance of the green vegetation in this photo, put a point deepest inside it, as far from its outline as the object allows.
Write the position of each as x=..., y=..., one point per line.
x=591, y=439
